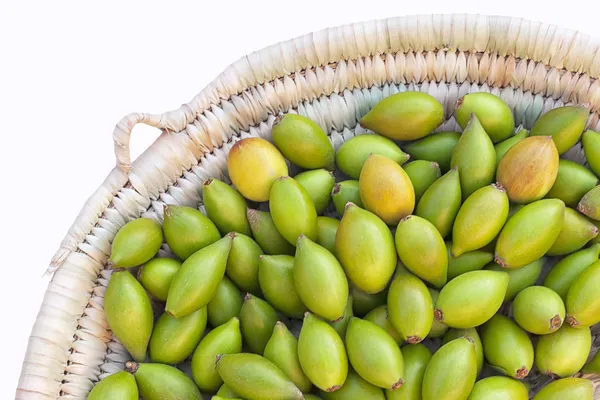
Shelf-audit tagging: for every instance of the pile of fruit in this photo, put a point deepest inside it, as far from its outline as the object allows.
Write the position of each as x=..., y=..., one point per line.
x=399, y=281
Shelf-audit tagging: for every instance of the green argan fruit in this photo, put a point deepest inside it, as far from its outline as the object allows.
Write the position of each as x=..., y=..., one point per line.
x=480, y=219
x=451, y=372
x=471, y=299
x=567, y=389
x=404, y=116
x=530, y=233
x=410, y=307
x=276, y=277
x=467, y=262
x=572, y=183
x=303, y=142
x=292, y=210
x=593, y=366
x=502, y=147
x=437, y=328
x=380, y=317
x=242, y=263
x=499, y=388
x=118, y=386
x=226, y=392
x=318, y=184
x=174, y=339
x=198, y=279
x=563, y=352
x=493, y=113
x=576, y=232
x=135, y=243
x=355, y=387
x=156, y=276
x=564, y=124
x=224, y=339
x=363, y=303
x=590, y=204
x=374, y=354
x=266, y=234
x=322, y=354
x=159, y=381
x=253, y=165
x=473, y=337
x=226, y=304
x=422, y=174
x=422, y=250
x=341, y=325
x=436, y=147
x=353, y=153
x=187, y=230
x=257, y=320
x=506, y=347
x=416, y=357
x=364, y=240
x=520, y=278
x=538, y=310
x=327, y=229
x=129, y=313
x=475, y=157
x=583, y=298
x=226, y=207
x=563, y=273
x=345, y=192
x=442, y=213
x=591, y=147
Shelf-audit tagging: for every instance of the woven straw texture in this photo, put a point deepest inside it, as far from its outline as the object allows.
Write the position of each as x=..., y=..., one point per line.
x=333, y=76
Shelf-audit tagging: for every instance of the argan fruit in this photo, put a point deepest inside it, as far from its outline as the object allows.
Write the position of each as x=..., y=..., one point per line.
x=266, y=234
x=499, y=388
x=254, y=377
x=416, y=357
x=257, y=320
x=466, y=262
x=380, y=317
x=322, y=354
x=506, y=347
x=577, y=231
x=363, y=303
x=118, y=386
x=593, y=366
x=422, y=175
x=292, y=210
x=355, y=387
x=226, y=392
x=528, y=170
x=473, y=337
x=502, y=147
x=303, y=142
x=451, y=372
x=174, y=339
x=327, y=229
x=436, y=147
x=471, y=299
x=188, y=230
x=480, y=219
x=374, y=354
x=353, y=153
x=493, y=113
x=276, y=277
x=226, y=304
x=242, y=263
x=572, y=182
x=318, y=184
x=567, y=389
x=129, y=313
x=564, y=124
x=590, y=204
x=563, y=273
x=564, y=352
x=422, y=250
x=224, y=339
x=385, y=189
x=410, y=308
x=520, y=278
x=441, y=213
x=437, y=328
x=530, y=233
x=135, y=243
x=404, y=116
x=156, y=276
x=197, y=281
x=365, y=247
x=341, y=325
x=159, y=381
x=226, y=207
x=591, y=148
x=253, y=165
x=583, y=298
x=538, y=310
x=475, y=157
x=345, y=192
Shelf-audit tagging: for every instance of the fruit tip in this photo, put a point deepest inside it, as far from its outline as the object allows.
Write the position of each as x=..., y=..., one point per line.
x=398, y=384
x=406, y=218
x=336, y=189
x=438, y=315
x=522, y=372
x=232, y=235
x=248, y=296
x=455, y=168
x=278, y=118
x=131, y=367
x=413, y=339
x=435, y=165
x=499, y=186
x=459, y=103
x=306, y=314
x=500, y=261
x=282, y=178
x=338, y=319
x=260, y=257
x=207, y=182
x=279, y=324
x=333, y=388
x=555, y=322
x=572, y=321
x=217, y=359
x=349, y=205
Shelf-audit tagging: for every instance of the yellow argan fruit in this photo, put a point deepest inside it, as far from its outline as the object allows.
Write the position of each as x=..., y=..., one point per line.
x=502, y=147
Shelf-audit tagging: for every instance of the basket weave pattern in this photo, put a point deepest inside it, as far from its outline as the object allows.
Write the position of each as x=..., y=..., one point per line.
x=334, y=77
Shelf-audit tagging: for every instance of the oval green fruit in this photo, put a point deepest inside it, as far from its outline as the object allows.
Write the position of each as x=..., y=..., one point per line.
x=576, y=232
x=422, y=175
x=242, y=263
x=353, y=153
x=345, y=192
x=363, y=303
x=530, y=233
x=593, y=366
x=224, y=339
x=436, y=147
x=322, y=354
x=266, y=234
x=520, y=278
x=156, y=276
x=564, y=352
x=404, y=116
x=188, y=230
x=583, y=298
x=341, y=325
x=451, y=372
x=422, y=250
x=502, y=147
x=466, y=262
x=318, y=184
x=129, y=313
x=226, y=392
x=226, y=304
x=475, y=157
x=327, y=229
x=480, y=219
x=292, y=210
x=225, y=206
x=499, y=388
x=590, y=204
x=567, y=389
x=563, y=273
x=538, y=310
x=572, y=182
x=437, y=328
x=380, y=317
x=507, y=347
x=416, y=357
x=257, y=320
x=276, y=277
x=564, y=124
x=118, y=386
x=473, y=337
x=493, y=113
x=441, y=213
x=198, y=279
x=303, y=142
x=174, y=339
x=410, y=307
x=355, y=387
x=159, y=381
x=363, y=239
x=471, y=299
x=135, y=243
x=591, y=148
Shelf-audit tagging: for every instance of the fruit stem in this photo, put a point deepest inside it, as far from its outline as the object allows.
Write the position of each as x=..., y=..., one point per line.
x=333, y=388
x=438, y=314
x=207, y=182
x=398, y=384
x=572, y=321
x=522, y=372
x=248, y=296
x=414, y=339
x=131, y=367
x=499, y=261
x=459, y=103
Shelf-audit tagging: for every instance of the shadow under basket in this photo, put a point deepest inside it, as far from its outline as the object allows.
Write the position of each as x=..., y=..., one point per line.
x=334, y=77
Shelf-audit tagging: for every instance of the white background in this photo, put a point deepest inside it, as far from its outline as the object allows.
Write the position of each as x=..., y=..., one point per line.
x=70, y=70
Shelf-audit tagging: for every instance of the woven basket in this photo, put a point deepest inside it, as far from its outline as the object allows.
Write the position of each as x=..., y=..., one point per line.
x=333, y=76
